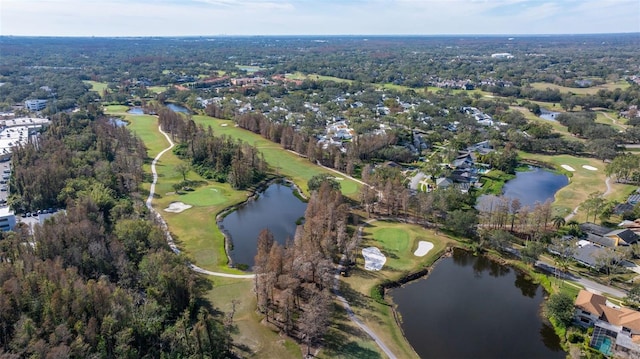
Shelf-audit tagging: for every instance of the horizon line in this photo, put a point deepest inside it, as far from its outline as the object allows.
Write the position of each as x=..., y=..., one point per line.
x=320, y=35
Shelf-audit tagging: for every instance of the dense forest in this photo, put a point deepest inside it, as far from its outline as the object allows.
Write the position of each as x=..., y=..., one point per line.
x=98, y=279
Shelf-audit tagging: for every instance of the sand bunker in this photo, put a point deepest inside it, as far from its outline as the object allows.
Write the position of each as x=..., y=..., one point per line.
x=373, y=258
x=590, y=168
x=568, y=168
x=423, y=248
x=177, y=207
x=223, y=125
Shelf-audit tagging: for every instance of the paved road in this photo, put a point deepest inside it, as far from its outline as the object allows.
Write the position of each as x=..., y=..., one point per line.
x=170, y=241
x=587, y=283
x=347, y=307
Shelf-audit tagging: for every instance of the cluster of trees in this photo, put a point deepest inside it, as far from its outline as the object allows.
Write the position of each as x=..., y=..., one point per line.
x=214, y=157
x=97, y=280
x=508, y=214
x=72, y=157
x=625, y=168
x=293, y=282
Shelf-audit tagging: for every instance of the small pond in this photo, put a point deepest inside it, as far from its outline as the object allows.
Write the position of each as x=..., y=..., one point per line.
x=277, y=209
x=536, y=185
x=136, y=111
x=472, y=307
x=547, y=114
x=117, y=122
x=177, y=108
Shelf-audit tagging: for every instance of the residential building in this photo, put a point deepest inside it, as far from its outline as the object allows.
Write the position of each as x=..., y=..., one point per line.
x=616, y=329
x=35, y=105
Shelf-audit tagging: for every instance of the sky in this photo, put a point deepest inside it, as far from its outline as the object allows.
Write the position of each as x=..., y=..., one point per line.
x=315, y=17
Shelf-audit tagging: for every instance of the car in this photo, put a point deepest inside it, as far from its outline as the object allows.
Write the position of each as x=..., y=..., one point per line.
x=3, y=188
x=6, y=171
x=39, y=212
x=23, y=215
x=28, y=214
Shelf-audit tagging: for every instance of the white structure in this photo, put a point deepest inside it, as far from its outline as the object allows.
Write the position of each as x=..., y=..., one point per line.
x=7, y=219
x=502, y=55
x=16, y=131
x=35, y=105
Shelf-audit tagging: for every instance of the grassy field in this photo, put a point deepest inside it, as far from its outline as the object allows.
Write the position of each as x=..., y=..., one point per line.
x=286, y=163
x=582, y=182
x=97, y=86
x=397, y=241
x=581, y=91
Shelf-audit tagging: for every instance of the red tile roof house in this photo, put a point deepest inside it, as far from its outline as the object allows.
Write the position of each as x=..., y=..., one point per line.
x=616, y=329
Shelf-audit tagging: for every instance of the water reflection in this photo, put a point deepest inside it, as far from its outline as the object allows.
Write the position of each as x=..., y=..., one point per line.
x=456, y=312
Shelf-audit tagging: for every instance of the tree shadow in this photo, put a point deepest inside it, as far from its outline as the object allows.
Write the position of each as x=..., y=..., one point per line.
x=338, y=345
x=355, y=298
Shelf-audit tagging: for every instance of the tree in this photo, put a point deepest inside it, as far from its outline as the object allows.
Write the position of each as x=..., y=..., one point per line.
x=462, y=223
x=558, y=221
x=560, y=307
x=316, y=181
x=532, y=252
x=315, y=318
x=184, y=169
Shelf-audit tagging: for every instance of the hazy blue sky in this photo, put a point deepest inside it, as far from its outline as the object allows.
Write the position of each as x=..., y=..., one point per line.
x=286, y=17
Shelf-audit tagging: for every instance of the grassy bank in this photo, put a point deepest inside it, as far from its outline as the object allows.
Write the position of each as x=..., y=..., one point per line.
x=581, y=91
x=96, y=86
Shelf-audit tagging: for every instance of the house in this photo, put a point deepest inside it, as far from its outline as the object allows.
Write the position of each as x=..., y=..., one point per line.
x=633, y=199
x=464, y=160
x=606, y=237
x=616, y=329
x=621, y=208
x=444, y=182
x=587, y=253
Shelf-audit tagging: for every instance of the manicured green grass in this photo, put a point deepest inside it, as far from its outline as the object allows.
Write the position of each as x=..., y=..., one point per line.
x=299, y=169
x=97, y=86
x=397, y=241
x=581, y=91
x=606, y=119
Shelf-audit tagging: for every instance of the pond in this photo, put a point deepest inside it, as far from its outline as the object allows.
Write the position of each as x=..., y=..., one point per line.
x=548, y=115
x=536, y=185
x=117, y=122
x=177, y=108
x=472, y=307
x=136, y=111
x=277, y=208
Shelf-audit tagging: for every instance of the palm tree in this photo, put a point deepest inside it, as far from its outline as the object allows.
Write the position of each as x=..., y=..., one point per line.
x=558, y=221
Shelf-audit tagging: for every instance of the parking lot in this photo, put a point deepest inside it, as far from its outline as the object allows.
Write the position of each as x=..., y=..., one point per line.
x=5, y=173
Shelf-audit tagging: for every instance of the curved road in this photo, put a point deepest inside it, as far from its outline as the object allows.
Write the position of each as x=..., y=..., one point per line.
x=165, y=228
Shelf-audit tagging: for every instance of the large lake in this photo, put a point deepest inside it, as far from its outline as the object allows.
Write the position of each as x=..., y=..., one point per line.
x=277, y=209
x=471, y=307
x=536, y=185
